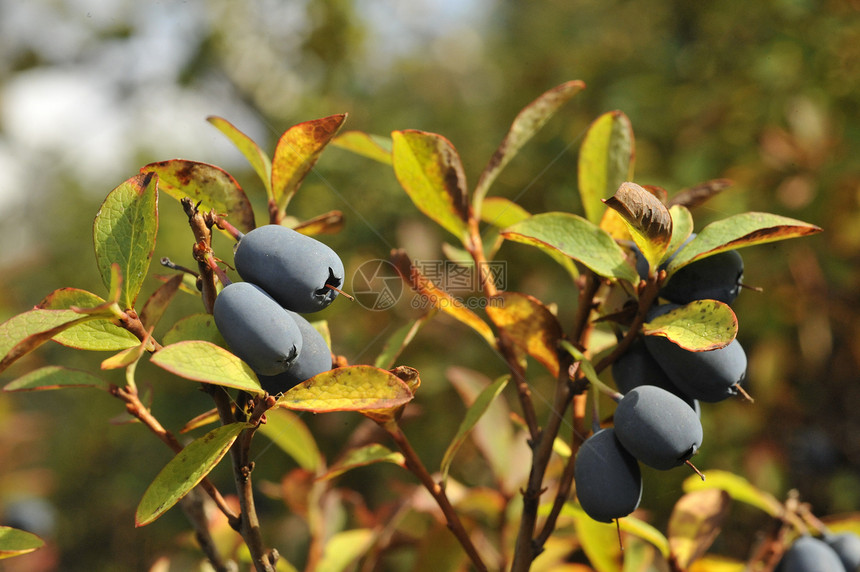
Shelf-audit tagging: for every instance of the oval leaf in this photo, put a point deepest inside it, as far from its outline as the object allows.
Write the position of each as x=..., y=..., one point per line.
x=576, y=238
x=605, y=161
x=124, y=233
x=158, y=302
x=14, y=542
x=344, y=548
x=208, y=363
x=373, y=147
x=530, y=325
x=527, y=122
x=213, y=187
x=501, y=212
x=55, y=377
x=258, y=158
x=96, y=335
x=429, y=170
x=699, y=326
x=738, y=231
x=185, y=470
x=288, y=432
x=297, y=152
x=647, y=219
x=195, y=327
x=738, y=488
x=695, y=523
x=363, y=456
x=351, y=388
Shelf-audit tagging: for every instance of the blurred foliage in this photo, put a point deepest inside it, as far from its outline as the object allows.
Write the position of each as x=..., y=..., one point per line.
x=762, y=93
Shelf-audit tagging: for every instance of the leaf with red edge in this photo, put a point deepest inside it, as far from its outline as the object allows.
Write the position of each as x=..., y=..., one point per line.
x=695, y=523
x=258, y=158
x=15, y=542
x=296, y=153
x=429, y=169
x=351, y=388
x=701, y=325
x=213, y=187
x=157, y=303
x=527, y=122
x=530, y=325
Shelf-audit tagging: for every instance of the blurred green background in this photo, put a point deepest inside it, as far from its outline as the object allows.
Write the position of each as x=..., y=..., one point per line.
x=764, y=93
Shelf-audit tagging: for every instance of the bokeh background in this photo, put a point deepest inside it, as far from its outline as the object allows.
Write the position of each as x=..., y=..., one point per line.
x=764, y=93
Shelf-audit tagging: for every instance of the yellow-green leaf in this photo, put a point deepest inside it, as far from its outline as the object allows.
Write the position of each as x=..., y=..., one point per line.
x=530, y=325
x=373, y=147
x=288, y=432
x=258, y=158
x=599, y=540
x=605, y=161
x=682, y=228
x=213, y=187
x=428, y=168
x=344, y=548
x=363, y=456
x=124, y=233
x=14, y=542
x=501, y=212
x=208, y=363
x=97, y=335
x=576, y=238
x=195, y=327
x=701, y=325
x=695, y=523
x=351, y=388
x=55, y=377
x=737, y=487
x=185, y=470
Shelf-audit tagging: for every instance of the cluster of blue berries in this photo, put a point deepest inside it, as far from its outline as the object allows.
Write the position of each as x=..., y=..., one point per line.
x=286, y=274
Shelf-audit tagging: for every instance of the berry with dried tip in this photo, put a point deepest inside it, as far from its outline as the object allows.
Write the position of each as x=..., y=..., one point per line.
x=657, y=427
x=298, y=271
x=257, y=329
x=716, y=277
x=314, y=359
x=608, y=479
x=808, y=554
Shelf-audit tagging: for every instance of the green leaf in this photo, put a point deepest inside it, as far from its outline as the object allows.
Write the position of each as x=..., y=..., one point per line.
x=258, y=158
x=95, y=335
x=645, y=531
x=124, y=233
x=344, y=548
x=501, y=212
x=363, y=456
x=195, y=327
x=629, y=524
x=699, y=326
x=695, y=523
x=738, y=488
x=429, y=170
x=605, y=161
x=530, y=325
x=401, y=338
x=288, y=432
x=351, y=388
x=208, y=363
x=527, y=122
x=599, y=540
x=473, y=415
x=55, y=377
x=682, y=228
x=576, y=238
x=185, y=471
x=213, y=187
x=647, y=219
x=738, y=231
x=373, y=147
x=297, y=152
x=14, y=542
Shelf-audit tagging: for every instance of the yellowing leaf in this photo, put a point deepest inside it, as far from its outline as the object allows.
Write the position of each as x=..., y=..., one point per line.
x=530, y=325
x=14, y=542
x=429, y=170
x=185, y=470
x=738, y=488
x=605, y=161
x=373, y=147
x=351, y=388
x=258, y=159
x=501, y=212
x=288, y=432
x=55, y=377
x=695, y=523
x=699, y=326
x=208, y=363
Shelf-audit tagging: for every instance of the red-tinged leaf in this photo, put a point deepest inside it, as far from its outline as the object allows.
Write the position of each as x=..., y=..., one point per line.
x=158, y=302
x=428, y=168
x=738, y=231
x=14, y=542
x=97, y=335
x=55, y=377
x=438, y=297
x=351, y=388
x=258, y=158
x=289, y=432
x=605, y=161
x=208, y=363
x=647, y=218
x=21, y=334
x=124, y=232
x=326, y=223
x=695, y=523
x=362, y=457
x=297, y=152
x=738, y=488
x=698, y=194
x=213, y=187
x=701, y=325
x=527, y=122
x=530, y=325
x=206, y=418
x=185, y=471
x=373, y=147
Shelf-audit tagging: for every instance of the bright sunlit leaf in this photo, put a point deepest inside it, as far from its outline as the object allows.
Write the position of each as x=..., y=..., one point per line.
x=701, y=325
x=351, y=388
x=204, y=361
x=605, y=161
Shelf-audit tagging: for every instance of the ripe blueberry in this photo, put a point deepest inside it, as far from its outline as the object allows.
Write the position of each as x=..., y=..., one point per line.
x=809, y=554
x=608, y=480
x=657, y=427
x=315, y=358
x=716, y=277
x=257, y=329
x=296, y=270
x=847, y=547
x=636, y=367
